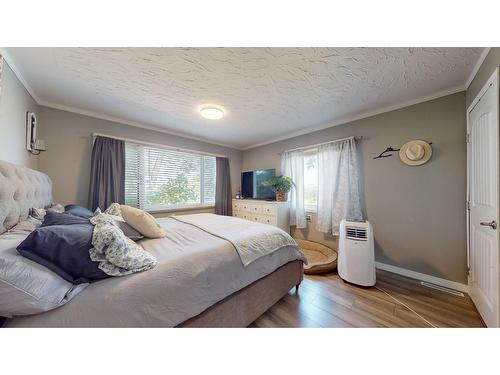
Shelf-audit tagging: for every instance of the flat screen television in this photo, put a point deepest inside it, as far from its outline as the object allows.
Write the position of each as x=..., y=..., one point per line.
x=252, y=184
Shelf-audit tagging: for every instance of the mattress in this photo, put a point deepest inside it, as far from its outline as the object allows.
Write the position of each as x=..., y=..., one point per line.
x=195, y=271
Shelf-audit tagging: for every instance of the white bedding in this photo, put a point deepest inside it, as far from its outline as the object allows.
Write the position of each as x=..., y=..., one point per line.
x=195, y=270
x=27, y=287
x=251, y=240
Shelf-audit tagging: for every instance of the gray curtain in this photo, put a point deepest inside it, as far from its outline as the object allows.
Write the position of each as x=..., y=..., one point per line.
x=107, y=173
x=223, y=195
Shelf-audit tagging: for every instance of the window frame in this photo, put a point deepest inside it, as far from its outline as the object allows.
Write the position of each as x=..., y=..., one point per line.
x=141, y=166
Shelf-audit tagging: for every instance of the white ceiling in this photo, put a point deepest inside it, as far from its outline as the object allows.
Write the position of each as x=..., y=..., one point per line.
x=268, y=93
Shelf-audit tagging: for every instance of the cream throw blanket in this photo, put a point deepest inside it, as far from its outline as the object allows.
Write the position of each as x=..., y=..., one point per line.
x=251, y=240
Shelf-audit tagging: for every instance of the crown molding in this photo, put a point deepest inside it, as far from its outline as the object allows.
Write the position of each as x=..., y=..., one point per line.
x=12, y=65
x=307, y=130
x=105, y=117
x=362, y=115
x=303, y=131
x=17, y=72
x=476, y=68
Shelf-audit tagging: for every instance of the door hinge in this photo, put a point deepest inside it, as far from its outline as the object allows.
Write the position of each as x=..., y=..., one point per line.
x=468, y=271
x=467, y=205
x=467, y=138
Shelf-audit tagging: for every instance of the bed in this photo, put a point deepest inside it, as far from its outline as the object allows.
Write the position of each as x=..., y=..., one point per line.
x=199, y=280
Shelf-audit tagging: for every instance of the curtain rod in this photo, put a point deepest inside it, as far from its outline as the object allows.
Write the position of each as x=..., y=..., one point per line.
x=94, y=135
x=324, y=143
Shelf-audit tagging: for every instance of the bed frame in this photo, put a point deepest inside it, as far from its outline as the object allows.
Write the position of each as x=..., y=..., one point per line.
x=243, y=307
x=22, y=188
x=240, y=309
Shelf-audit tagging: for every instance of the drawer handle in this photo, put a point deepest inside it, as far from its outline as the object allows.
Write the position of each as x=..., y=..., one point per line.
x=492, y=224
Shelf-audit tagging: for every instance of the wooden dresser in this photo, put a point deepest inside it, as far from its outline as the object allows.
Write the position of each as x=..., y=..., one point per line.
x=267, y=212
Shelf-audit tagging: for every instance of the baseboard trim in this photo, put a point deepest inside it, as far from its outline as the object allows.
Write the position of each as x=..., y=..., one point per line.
x=423, y=277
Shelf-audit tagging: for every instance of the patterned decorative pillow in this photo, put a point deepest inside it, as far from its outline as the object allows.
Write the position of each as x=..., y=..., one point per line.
x=114, y=209
x=117, y=255
x=142, y=222
x=38, y=213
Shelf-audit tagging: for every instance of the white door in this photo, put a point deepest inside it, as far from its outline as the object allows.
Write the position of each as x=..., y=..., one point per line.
x=482, y=130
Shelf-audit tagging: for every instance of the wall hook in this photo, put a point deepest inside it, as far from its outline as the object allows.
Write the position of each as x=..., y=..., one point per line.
x=386, y=153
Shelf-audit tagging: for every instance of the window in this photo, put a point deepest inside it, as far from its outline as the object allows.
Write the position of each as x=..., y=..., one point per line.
x=311, y=179
x=157, y=178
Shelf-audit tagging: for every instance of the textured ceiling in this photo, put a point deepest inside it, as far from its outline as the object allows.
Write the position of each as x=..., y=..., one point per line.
x=268, y=93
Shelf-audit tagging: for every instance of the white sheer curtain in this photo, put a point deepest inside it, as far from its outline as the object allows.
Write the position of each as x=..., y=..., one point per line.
x=338, y=182
x=292, y=165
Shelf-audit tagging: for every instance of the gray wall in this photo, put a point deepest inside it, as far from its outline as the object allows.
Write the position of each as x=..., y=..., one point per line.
x=15, y=101
x=69, y=146
x=490, y=63
x=418, y=213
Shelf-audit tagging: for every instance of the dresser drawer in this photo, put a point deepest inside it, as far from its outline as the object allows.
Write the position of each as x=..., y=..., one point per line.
x=255, y=218
x=254, y=208
x=265, y=212
x=243, y=206
x=264, y=219
x=242, y=215
x=269, y=209
x=237, y=206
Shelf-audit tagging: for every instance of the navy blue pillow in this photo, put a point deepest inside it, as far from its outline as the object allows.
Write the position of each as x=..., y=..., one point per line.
x=78, y=211
x=58, y=218
x=64, y=249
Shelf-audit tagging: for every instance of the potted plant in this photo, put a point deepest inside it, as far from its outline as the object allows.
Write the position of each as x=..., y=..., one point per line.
x=281, y=185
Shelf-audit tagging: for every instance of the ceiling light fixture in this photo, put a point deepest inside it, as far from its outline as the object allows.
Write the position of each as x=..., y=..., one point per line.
x=212, y=112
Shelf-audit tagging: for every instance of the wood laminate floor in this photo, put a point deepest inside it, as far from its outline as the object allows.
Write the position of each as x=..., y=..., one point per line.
x=326, y=301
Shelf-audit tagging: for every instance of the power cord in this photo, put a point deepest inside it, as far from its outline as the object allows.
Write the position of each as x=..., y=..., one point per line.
x=408, y=307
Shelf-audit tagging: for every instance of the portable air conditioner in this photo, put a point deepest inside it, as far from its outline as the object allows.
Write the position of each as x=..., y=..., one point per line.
x=356, y=258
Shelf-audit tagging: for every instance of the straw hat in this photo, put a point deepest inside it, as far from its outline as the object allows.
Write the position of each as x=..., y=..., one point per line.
x=415, y=152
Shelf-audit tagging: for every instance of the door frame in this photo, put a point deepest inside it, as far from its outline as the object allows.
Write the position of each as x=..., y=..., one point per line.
x=494, y=78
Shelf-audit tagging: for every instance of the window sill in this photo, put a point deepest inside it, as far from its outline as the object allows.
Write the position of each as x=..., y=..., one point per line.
x=178, y=209
x=311, y=209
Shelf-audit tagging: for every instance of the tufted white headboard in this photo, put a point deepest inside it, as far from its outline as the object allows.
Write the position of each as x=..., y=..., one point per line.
x=21, y=188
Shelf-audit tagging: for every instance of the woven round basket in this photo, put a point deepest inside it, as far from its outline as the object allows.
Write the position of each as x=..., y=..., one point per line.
x=320, y=258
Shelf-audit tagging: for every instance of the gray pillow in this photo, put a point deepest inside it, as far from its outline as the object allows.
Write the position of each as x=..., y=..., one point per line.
x=127, y=230
x=43, y=290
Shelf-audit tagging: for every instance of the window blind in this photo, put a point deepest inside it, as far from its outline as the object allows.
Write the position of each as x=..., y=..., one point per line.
x=158, y=178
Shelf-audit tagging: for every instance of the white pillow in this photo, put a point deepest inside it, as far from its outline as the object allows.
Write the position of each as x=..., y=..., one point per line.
x=27, y=287
x=26, y=226
x=56, y=207
x=142, y=222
